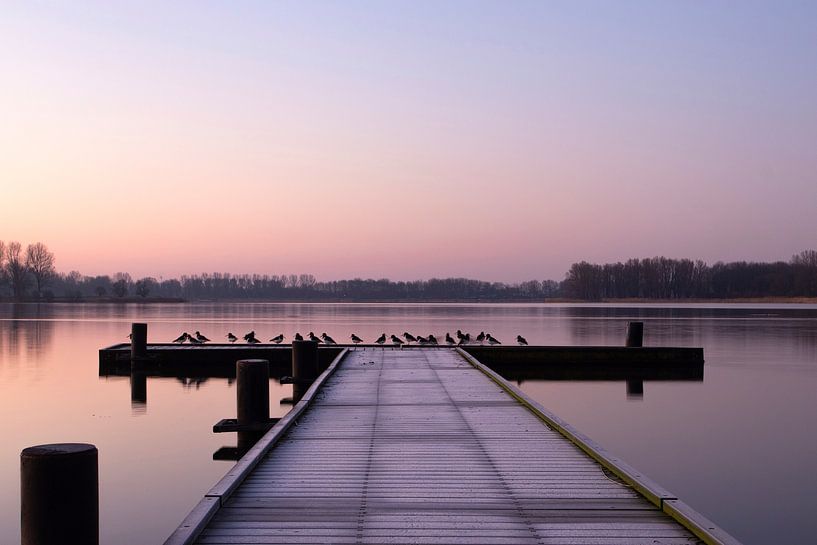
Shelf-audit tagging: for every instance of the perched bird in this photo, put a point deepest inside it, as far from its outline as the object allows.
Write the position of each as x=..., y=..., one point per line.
x=521, y=340
x=409, y=337
x=299, y=337
x=181, y=338
x=201, y=338
x=130, y=336
x=481, y=336
x=278, y=339
x=449, y=339
x=232, y=338
x=327, y=339
x=249, y=335
x=253, y=340
x=420, y=339
x=396, y=340
x=356, y=339
x=432, y=339
x=460, y=334
x=461, y=341
x=312, y=337
x=491, y=340
x=467, y=337
x=381, y=339
x=192, y=340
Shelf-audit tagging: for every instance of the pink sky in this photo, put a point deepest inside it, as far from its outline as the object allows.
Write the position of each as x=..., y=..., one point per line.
x=407, y=142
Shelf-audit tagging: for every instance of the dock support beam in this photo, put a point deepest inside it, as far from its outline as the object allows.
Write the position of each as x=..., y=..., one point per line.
x=138, y=342
x=252, y=392
x=635, y=334
x=59, y=485
x=304, y=367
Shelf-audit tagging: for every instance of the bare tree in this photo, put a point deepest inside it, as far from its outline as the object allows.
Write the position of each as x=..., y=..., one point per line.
x=16, y=269
x=40, y=262
x=2, y=263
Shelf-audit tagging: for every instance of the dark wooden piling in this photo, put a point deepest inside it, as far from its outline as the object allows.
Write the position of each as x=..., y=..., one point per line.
x=252, y=391
x=139, y=342
x=635, y=334
x=59, y=486
x=305, y=368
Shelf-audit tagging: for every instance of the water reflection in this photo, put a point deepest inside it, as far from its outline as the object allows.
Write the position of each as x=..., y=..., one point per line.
x=26, y=326
x=139, y=392
x=699, y=439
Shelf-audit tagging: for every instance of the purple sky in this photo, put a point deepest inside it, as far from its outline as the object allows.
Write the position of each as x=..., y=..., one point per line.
x=492, y=140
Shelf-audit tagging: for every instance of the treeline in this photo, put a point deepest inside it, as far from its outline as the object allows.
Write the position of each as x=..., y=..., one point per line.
x=302, y=287
x=665, y=278
x=30, y=274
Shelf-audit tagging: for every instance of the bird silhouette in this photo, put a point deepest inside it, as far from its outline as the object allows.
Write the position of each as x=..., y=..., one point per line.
x=278, y=339
x=460, y=334
x=491, y=340
x=420, y=339
x=232, y=338
x=432, y=339
x=193, y=340
x=312, y=337
x=409, y=337
x=481, y=336
x=327, y=339
x=449, y=339
x=381, y=339
x=462, y=340
x=130, y=336
x=201, y=338
x=181, y=338
x=249, y=335
x=521, y=340
x=356, y=339
x=396, y=340
x=298, y=337
x=253, y=340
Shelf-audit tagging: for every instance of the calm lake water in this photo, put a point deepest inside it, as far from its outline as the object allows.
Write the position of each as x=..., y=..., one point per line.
x=739, y=446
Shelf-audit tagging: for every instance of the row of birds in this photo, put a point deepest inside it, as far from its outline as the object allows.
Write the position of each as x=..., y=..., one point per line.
x=408, y=338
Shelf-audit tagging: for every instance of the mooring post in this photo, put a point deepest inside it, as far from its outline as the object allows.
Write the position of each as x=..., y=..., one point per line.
x=252, y=391
x=635, y=334
x=138, y=342
x=59, y=487
x=304, y=367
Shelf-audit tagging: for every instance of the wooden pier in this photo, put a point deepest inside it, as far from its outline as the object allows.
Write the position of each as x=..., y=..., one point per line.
x=430, y=446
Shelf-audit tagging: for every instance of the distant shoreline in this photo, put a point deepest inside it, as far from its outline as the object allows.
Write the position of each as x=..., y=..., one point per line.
x=555, y=301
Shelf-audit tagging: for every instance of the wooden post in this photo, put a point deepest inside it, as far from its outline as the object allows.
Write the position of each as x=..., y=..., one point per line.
x=59, y=487
x=252, y=391
x=139, y=342
x=304, y=367
x=635, y=334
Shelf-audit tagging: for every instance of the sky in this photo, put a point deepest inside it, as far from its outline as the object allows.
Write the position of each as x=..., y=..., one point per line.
x=493, y=140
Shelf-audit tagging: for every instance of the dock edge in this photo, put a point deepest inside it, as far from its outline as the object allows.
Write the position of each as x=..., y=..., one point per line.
x=194, y=523
x=699, y=525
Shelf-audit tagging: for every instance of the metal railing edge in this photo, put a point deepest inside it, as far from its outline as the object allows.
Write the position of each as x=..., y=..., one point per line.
x=193, y=524
x=702, y=527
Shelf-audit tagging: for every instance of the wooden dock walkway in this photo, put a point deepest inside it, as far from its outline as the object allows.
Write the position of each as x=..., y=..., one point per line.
x=428, y=446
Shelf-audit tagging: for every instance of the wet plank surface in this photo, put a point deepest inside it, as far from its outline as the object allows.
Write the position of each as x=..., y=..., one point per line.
x=418, y=446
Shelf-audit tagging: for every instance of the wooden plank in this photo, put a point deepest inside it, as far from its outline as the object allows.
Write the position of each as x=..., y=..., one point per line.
x=420, y=446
